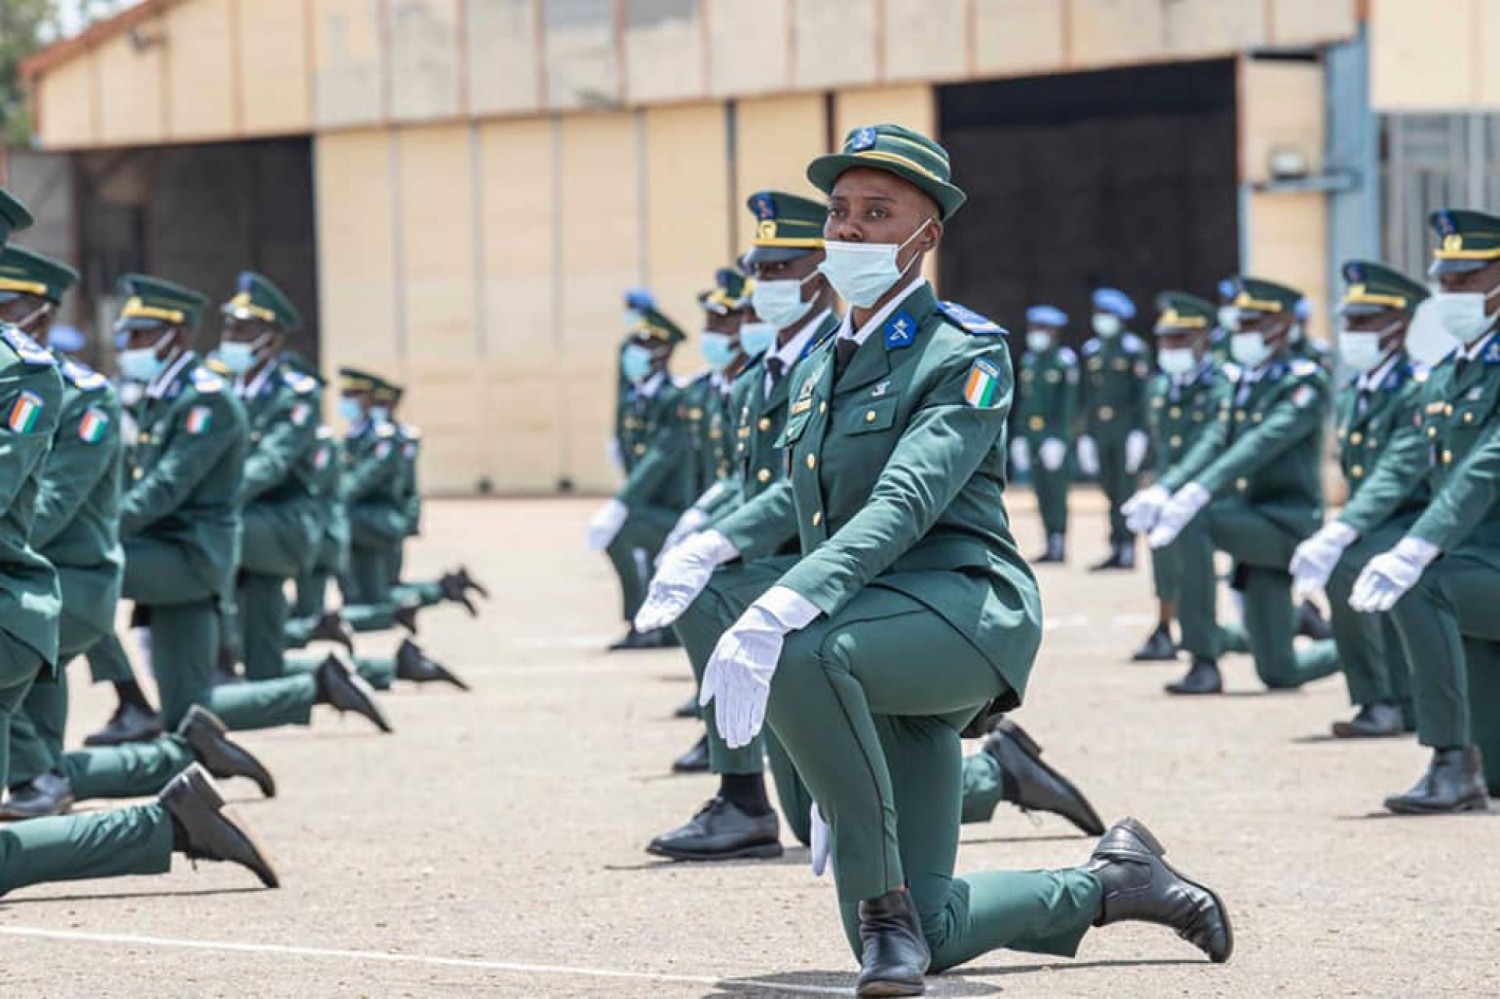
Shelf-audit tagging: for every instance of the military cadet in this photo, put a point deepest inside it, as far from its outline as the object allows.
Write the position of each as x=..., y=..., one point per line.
x=1440, y=577
x=180, y=523
x=1251, y=486
x=637, y=302
x=705, y=400
x=1304, y=347
x=1184, y=398
x=1048, y=404
x=1113, y=444
x=188, y=817
x=1227, y=322
x=1385, y=457
x=661, y=474
x=895, y=434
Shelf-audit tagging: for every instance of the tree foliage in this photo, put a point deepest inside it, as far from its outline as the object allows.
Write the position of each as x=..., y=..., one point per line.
x=25, y=27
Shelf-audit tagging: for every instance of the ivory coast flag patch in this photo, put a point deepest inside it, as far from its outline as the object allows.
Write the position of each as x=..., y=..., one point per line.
x=198, y=419
x=24, y=412
x=91, y=428
x=983, y=386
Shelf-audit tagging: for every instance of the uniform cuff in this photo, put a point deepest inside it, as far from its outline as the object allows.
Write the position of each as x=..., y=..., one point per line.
x=787, y=606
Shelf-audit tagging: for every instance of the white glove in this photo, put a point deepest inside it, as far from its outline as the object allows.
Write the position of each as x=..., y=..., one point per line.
x=1088, y=455
x=615, y=453
x=1020, y=455
x=682, y=576
x=1142, y=509
x=1314, y=560
x=822, y=842
x=1387, y=577
x=604, y=525
x=1136, y=445
x=1052, y=453
x=1177, y=514
x=738, y=677
x=687, y=525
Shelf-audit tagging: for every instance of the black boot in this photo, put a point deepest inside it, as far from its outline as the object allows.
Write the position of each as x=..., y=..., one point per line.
x=204, y=831
x=1032, y=785
x=660, y=638
x=1158, y=648
x=1056, y=551
x=895, y=956
x=342, y=688
x=1454, y=782
x=417, y=666
x=1201, y=678
x=332, y=627
x=406, y=617
x=1112, y=562
x=721, y=831
x=129, y=723
x=1312, y=623
x=456, y=587
x=688, y=708
x=221, y=756
x=694, y=761
x=1139, y=886
x=1372, y=721
x=45, y=794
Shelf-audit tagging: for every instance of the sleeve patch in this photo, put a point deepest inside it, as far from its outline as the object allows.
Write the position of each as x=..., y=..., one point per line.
x=25, y=412
x=1304, y=396
x=199, y=419
x=301, y=413
x=982, y=387
x=92, y=427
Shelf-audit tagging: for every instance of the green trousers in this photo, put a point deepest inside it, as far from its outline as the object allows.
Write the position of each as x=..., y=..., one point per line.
x=378, y=672
x=633, y=553
x=135, y=840
x=263, y=614
x=1450, y=629
x=311, y=600
x=108, y=662
x=1051, y=496
x=1262, y=550
x=1117, y=482
x=876, y=739
x=1166, y=572
x=1373, y=659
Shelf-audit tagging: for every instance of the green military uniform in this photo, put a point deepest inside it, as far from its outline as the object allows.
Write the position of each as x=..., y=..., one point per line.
x=1260, y=460
x=371, y=491
x=1048, y=408
x=1115, y=371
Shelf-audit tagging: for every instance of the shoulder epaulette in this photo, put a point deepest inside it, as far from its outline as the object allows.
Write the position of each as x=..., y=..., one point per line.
x=1302, y=368
x=1133, y=344
x=298, y=382
x=1492, y=353
x=970, y=321
x=411, y=432
x=26, y=348
x=206, y=381
x=83, y=377
x=1066, y=355
x=1229, y=369
x=386, y=430
x=1092, y=347
x=324, y=432
x=218, y=367
x=1420, y=373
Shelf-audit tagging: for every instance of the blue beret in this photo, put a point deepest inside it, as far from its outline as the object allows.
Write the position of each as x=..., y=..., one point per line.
x=1228, y=289
x=66, y=339
x=1046, y=315
x=640, y=299
x=1115, y=302
x=1303, y=310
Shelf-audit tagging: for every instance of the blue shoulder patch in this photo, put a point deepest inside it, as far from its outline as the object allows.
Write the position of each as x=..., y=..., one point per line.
x=970, y=321
x=1492, y=353
x=1092, y=347
x=1303, y=368
x=206, y=381
x=1133, y=344
x=900, y=331
x=1066, y=355
x=1278, y=371
x=82, y=376
x=26, y=348
x=298, y=382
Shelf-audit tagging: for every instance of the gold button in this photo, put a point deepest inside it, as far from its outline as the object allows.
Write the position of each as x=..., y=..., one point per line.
x=1242, y=484
x=1157, y=404
x=1447, y=457
x=1448, y=409
x=1357, y=471
x=1106, y=413
x=1432, y=431
x=763, y=476
x=143, y=438
x=1374, y=442
x=1469, y=417
x=1176, y=441
x=1197, y=417
x=822, y=407
x=817, y=517
x=1175, y=412
x=1239, y=416
x=139, y=472
x=1257, y=417
x=640, y=449
x=1036, y=423
x=764, y=424
x=812, y=461
x=870, y=416
x=1355, y=438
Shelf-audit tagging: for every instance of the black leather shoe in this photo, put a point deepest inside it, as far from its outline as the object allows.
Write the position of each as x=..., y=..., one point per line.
x=45, y=794
x=1372, y=721
x=1454, y=782
x=1114, y=561
x=332, y=627
x=894, y=955
x=129, y=723
x=1127, y=556
x=406, y=617
x=339, y=686
x=220, y=755
x=660, y=638
x=1159, y=648
x=694, y=761
x=203, y=830
x=417, y=666
x=720, y=831
x=456, y=587
x=1201, y=678
x=1139, y=886
x=1032, y=785
x=688, y=708
x=1312, y=623
x=1056, y=551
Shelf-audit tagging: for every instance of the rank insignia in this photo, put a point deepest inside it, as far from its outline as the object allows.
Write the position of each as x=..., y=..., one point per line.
x=983, y=384
x=900, y=329
x=862, y=140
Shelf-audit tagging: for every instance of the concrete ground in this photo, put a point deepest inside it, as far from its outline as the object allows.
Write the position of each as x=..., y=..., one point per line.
x=493, y=844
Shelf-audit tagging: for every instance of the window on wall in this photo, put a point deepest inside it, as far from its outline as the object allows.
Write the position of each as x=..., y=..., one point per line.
x=1431, y=161
x=582, y=70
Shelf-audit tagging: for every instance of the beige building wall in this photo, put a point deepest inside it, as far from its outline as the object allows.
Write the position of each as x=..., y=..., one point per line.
x=274, y=54
x=1426, y=58
x=776, y=138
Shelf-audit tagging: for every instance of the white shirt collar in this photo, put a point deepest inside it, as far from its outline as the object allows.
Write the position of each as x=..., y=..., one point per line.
x=720, y=381
x=251, y=389
x=648, y=388
x=1470, y=353
x=1183, y=381
x=878, y=319
x=1372, y=380
x=790, y=352
x=158, y=386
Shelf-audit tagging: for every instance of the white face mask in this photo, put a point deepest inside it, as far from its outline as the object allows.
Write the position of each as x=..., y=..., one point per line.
x=718, y=349
x=239, y=356
x=1361, y=350
x=350, y=410
x=635, y=362
x=1038, y=341
x=142, y=364
x=1229, y=318
x=1462, y=314
x=757, y=338
x=862, y=272
x=1176, y=361
x=1249, y=349
x=780, y=302
x=1106, y=324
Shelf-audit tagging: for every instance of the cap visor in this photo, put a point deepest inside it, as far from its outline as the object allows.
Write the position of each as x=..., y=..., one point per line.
x=776, y=254
x=1456, y=266
x=1361, y=310
x=825, y=171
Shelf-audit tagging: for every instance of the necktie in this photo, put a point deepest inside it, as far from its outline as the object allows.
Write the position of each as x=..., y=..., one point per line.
x=1362, y=403
x=777, y=367
x=842, y=352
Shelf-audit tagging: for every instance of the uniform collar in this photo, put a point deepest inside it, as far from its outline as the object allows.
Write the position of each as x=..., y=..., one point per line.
x=1372, y=380
x=1194, y=376
x=878, y=320
x=648, y=388
x=1271, y=369
x=162, y=382
x=1473, y=353
x=791, y=352
x=253, y=388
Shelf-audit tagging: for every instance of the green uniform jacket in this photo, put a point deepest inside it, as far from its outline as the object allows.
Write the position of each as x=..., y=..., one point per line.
x=411, y=450
x=1116, y=370
x=1266, y=446
x=897, y=476
x=278, y=489
x=1049, y=395
x=371, y=486
x=1460, y=416
x=31, y=392
x=189, y=467
x=1179, y=414
x=1383, y=453
x=78, y=504
x=660, y=463
x=706, y=412
x=332, y=551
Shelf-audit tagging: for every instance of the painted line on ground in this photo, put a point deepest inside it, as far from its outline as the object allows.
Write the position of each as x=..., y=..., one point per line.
x=378, y=957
